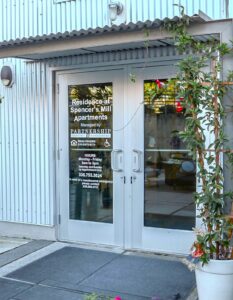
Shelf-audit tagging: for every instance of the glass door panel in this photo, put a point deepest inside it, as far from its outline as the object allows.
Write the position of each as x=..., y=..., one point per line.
x=170, y=172
x=163, y=210
x=90, y=140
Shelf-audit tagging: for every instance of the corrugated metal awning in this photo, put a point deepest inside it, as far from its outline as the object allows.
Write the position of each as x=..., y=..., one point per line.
x=108, y=38
x=96, y=31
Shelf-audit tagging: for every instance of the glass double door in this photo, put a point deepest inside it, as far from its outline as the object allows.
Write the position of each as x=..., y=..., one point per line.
x=124, y=177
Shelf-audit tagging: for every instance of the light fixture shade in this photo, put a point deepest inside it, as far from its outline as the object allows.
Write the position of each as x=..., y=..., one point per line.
x=6, y=76
x=115, y=9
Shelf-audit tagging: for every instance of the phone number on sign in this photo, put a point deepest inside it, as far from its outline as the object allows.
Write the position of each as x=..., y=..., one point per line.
x=90, y=175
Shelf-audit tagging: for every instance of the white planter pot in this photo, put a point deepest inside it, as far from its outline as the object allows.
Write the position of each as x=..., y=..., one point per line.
x=215, y=280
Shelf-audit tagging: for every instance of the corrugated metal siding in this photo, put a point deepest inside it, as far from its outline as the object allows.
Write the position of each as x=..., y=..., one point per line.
x=26, y=18
x=230, y=10
x=26, y=184
x=149, y=9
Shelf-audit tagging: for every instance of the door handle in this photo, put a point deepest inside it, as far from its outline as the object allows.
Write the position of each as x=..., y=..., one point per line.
x=115, y=158
x=137, y=160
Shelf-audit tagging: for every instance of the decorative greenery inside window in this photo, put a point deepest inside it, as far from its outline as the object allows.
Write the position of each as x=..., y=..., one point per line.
x=161, y=96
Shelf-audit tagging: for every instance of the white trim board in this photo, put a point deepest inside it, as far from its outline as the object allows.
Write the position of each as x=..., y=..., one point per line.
x=27, y=231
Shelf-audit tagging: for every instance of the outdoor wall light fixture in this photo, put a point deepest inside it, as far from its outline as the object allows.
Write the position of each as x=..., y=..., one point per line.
x=7, y=76
x=115, y=9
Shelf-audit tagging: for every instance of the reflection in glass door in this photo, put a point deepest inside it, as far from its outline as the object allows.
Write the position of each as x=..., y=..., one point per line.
x=170, y=172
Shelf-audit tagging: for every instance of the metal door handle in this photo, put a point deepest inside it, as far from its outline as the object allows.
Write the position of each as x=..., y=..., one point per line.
x=138, y=161
x=115, y=160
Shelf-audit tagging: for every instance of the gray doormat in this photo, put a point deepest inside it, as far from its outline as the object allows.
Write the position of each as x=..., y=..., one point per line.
x=129, y=276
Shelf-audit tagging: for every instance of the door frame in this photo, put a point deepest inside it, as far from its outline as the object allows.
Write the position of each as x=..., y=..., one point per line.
x=153, y=238
x=110, y=229
x=131, y=240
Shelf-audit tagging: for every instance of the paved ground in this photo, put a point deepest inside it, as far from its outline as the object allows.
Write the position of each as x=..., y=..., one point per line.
x=59, y=271
x=7, y=244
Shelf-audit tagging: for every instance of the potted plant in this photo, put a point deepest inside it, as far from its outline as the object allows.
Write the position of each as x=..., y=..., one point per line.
x=203, y=93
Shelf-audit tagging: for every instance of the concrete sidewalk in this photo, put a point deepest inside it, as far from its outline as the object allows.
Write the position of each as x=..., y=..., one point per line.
x=62, y=271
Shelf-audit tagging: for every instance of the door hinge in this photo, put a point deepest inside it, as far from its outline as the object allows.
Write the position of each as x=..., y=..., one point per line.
x=58, y=88
x=59, y=219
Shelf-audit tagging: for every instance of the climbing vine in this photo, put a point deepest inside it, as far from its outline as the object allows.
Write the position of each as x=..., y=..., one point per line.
x=203, y=93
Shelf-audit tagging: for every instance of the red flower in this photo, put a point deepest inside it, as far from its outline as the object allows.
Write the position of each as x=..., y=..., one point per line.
x=159, y=83
x=179, y=107
x=117, y=298
x=198, y=252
